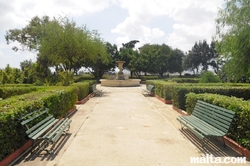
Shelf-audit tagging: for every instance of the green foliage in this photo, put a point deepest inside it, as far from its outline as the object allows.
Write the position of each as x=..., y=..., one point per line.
x=58, y=99
x=6, y=92
x=179, y=92
x=209, y=77
x=232, y=34
x=65, y=78
x=185, y=80
x=61, y=45
x=84, y=77
x=149, y=77
x=201, y=57
x=159, y=59
x=83, y=88
x=163, y=88
x=239, y=130
x=129, y=55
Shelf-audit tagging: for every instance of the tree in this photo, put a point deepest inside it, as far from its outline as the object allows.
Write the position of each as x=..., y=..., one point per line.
x=30, y=36
x=175, y=60
x=8, y=77
x=233, y=35
x=67, y=46
x=60, y=44
x=127, y=52
x=201, y=57
x=155, y=58
x=102, y=65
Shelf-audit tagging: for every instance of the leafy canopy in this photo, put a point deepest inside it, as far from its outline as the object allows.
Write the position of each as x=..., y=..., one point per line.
x=233, y=35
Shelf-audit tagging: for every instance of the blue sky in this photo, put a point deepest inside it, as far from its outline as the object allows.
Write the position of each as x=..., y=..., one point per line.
x=178, y=23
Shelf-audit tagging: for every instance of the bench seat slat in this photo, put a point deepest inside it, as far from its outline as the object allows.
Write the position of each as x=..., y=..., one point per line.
x=55, y=128
x=198, y=134
x=61, y=131
x=30, y=130
x=45, y=127
x=204, y=127
x=208, y=120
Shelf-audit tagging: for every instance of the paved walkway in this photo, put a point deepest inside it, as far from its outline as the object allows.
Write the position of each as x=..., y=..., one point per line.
x=125, y=128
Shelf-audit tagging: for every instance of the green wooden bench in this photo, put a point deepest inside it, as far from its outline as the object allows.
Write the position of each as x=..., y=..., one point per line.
x=96, y=92
x=43, y=129
x=149, y=90
x=207, y=120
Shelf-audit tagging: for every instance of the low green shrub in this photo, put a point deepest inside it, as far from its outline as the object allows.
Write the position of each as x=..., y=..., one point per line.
x=8, y=91
x=179, y=92
x=149, y=77
x=163, y=88
x=185, y=80
x=240, y=128
x=209, y=77
x=85, y=77
x=84, y=88
x=59, y=99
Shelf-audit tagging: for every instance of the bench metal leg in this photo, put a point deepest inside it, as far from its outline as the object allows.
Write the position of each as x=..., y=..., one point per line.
x=224, y=143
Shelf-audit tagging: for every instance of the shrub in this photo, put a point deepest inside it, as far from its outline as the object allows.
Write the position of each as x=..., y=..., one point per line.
x=9, y=91
x=59, y=99
x=209, y=77
x=179, y=92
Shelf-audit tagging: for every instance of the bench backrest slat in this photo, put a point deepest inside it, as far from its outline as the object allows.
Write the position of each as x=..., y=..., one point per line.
x=216, y=116
x=94, y=87
x=33, y=115
x=211, y=120
x=150, y=87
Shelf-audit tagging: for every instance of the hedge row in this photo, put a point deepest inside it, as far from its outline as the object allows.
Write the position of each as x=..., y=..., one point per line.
x=177, y=91
x=8, y=91
x=240, y=128
x=58, y=99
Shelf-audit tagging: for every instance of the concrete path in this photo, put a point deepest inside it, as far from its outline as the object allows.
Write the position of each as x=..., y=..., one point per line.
x=125, y=128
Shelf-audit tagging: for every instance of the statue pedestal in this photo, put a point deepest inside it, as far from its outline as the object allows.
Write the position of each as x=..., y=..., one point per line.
x=120, y=80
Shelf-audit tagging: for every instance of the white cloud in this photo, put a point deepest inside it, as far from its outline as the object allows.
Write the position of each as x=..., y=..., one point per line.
x=194, y=20
x=123, y=39
x=191, y=20
x=17, y=13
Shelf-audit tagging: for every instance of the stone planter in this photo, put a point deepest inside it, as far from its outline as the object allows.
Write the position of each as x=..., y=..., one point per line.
x=84, y=100
x=180, y=111
x=163, y=100
x=10, y=158
x=238, y=148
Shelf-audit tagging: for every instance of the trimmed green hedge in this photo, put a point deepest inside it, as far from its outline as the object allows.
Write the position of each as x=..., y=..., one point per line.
x=240, y=128
x=179, y=93
x=84, y=88
x=186, y=80
x=9, y=91
x=58, y=99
